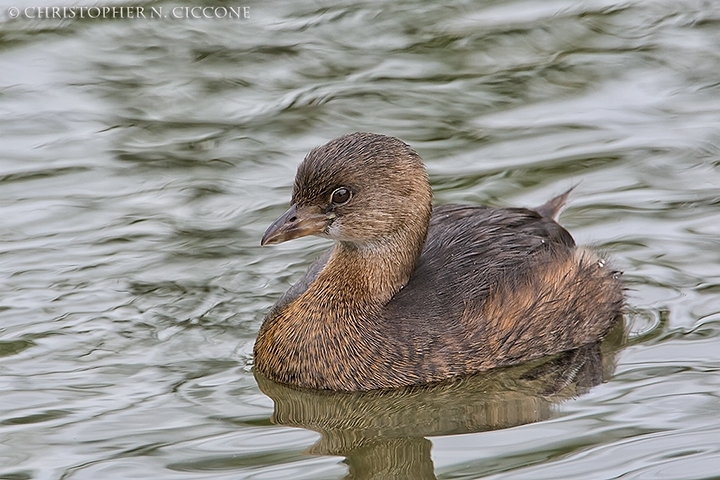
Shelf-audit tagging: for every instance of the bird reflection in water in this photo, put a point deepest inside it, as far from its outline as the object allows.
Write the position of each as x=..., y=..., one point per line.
x=382, y=434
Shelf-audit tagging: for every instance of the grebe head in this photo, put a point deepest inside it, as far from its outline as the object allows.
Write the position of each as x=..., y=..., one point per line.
x=361, y=189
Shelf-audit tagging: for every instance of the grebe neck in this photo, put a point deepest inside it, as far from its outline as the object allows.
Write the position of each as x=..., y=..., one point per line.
x=368, y=275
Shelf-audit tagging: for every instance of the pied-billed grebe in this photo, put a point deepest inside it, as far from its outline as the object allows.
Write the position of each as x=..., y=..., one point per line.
x=412, y=294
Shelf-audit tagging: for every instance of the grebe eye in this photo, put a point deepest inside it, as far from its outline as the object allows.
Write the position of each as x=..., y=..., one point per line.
x=340, y=196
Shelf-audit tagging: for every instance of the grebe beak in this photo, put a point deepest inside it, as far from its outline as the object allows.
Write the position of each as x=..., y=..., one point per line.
x=295, y=223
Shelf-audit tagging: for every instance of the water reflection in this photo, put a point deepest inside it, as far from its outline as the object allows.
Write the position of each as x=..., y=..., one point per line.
x=383, y=434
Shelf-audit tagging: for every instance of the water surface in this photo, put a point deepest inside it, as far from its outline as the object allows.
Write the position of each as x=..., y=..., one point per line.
x=141, y=160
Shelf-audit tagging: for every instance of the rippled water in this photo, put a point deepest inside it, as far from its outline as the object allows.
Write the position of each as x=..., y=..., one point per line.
x=141, y=160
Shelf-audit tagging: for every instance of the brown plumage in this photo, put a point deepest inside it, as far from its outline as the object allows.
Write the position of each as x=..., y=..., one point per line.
x=412, y=294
